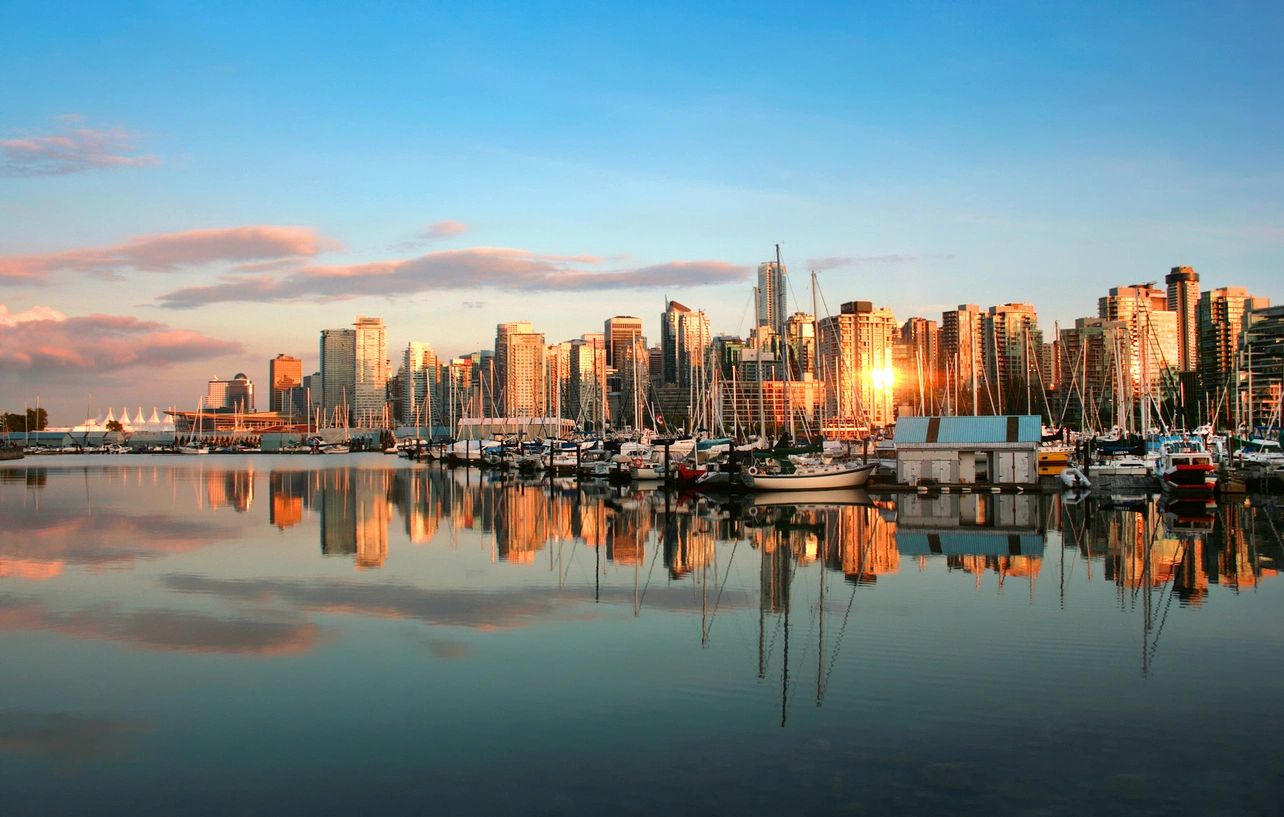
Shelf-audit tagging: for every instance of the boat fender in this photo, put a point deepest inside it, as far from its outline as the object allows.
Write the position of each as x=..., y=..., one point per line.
x=637, y=462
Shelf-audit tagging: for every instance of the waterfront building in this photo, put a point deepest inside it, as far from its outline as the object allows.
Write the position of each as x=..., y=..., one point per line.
x=370, y=372
x=1154, y=343
x=1220, y=319
x=419, y=387
x=557, y=369
x=338, y=356
x=621, y=332
x=1093, y=355
x=856, y=360
x=771, y=295
x=800, y=345
x=724, y=352
x=586, y=391
x=917, y=365
x=519, y=372
x=1011, y=343
x=684, y=342
x=1263, y=365
x=961, y=351
x=461, y=392
x=236, y=394
x=285, y=383
x=1183, y=299
x=312, y=393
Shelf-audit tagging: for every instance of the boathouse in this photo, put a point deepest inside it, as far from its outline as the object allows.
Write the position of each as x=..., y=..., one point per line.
x=1001, y=450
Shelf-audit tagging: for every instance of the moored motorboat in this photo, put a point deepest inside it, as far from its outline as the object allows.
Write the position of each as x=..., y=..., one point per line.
x=1186, y=468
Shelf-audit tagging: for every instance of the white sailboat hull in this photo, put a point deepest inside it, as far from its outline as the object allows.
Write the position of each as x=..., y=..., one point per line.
x=812, y=479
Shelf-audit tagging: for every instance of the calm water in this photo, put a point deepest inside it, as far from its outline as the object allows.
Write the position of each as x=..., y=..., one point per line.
x=352, y=635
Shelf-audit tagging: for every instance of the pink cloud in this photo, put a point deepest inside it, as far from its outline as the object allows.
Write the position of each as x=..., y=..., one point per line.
x=100, y=344
x=444, y=229
x=168, y=252
x=77, y=148
x=476, y=267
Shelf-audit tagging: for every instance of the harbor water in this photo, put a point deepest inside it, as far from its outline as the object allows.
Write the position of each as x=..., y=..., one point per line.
x=362, y=635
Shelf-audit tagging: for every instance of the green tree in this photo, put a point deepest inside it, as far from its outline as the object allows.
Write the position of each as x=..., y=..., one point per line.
x=115, y=425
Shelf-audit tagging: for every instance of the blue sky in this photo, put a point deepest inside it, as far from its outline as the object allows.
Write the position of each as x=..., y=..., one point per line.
x=948, y=152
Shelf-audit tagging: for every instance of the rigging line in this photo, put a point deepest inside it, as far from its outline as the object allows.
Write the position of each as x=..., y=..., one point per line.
x=726, y=574
x=1154, y=645
x=650, y=571
x=842, y=629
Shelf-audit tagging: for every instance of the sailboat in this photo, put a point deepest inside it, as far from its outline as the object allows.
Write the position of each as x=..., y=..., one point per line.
x=194, y=444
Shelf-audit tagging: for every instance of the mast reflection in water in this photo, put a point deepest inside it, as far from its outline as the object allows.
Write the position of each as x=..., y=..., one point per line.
x=225, y=625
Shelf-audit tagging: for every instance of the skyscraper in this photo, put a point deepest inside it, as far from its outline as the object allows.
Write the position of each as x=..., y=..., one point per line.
x=519, y=370
x=1012, y=345
x=856, y=355
x=338, y=373
x=1220, y=319
x=285, y=379
x=586, y=394
x=1152, y=348
x=961, y=345
x=771, y=295
x=370, y=372
x=684, y=338
x=621, y=332
x=1183, y=298
x=236, y=394
x=420, y=403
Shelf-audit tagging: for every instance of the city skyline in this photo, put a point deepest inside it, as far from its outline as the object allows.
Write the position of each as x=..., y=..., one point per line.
x=919, y=158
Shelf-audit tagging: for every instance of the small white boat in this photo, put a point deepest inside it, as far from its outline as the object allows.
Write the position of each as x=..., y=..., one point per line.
x=1074, y=478
x=810, y=477
x=193, y=448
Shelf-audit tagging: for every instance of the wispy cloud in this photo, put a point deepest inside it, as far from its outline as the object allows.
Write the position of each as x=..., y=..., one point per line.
x=167, y=252
x=473, y=268
x=75, y=148
x=444, y=229
x=838, y=261
x=51, y=342
x=169, y=630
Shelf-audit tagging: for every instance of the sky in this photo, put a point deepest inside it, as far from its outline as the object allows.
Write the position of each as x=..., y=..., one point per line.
x=188, y=189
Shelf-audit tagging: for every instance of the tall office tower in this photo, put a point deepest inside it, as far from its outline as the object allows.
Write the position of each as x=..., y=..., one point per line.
x=338, y=374
x=1091, y=355
x=586, y=393
x=684, y=339
x=919, y=345
x=285, y=376
x=856, y=348
x=459, y=392
x=771, y=295
x=420, y=401
x=371, y=372
x=557, y=373
x=313, y=392
x=962, y=346
x=1012, y=345
x=1220, y=319
x=799, y=345
x=519, y=370
x=1183, y=298
x=1152, y=350
x=236, y=394
x=621, y=332
x=1264, y=362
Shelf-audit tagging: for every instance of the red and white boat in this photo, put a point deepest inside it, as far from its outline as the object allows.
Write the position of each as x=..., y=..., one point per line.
x=1187, y=469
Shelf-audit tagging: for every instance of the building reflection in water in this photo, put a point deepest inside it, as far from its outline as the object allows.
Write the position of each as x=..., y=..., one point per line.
x=1188, y=546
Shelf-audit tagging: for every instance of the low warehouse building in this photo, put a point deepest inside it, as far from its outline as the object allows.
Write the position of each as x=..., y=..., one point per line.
x=1001, y=450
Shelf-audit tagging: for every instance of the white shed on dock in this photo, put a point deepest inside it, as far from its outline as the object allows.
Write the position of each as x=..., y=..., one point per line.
x=1001, y=450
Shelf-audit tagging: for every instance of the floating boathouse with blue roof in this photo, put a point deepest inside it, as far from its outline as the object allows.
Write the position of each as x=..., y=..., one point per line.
x=1001, y=450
